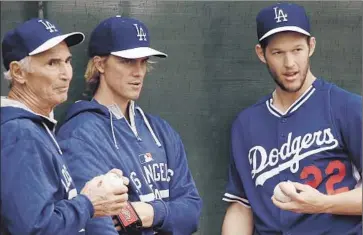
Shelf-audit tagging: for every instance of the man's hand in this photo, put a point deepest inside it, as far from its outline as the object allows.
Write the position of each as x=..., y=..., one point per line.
x=145, y=212
x=106, y=201
x=305, y=199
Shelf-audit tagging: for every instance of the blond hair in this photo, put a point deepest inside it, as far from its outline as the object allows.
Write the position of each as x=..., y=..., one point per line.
x=92, y=75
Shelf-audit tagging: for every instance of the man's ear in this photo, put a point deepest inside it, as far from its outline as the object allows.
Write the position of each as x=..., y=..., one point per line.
x=312, y=44
x=260, y=54
x=17, y=73
x=99, y=63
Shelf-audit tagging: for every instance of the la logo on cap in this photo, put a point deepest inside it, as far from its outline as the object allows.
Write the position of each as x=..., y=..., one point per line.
x=140, y=33
x=279, y=13
x=48, y=26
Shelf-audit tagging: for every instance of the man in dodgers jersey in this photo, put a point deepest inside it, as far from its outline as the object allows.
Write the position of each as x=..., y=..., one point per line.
x=307, y=131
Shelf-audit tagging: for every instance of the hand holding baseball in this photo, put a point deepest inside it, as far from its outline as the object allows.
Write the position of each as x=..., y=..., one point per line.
x=107, y=193
x=279, y=195
x=299, y=198
x=112, y=180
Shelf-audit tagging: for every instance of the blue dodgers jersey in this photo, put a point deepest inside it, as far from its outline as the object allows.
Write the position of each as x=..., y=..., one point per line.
x=148, y=151
x=317, y=141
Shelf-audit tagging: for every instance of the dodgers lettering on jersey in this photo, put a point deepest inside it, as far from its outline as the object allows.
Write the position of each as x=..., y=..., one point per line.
x=289, y=155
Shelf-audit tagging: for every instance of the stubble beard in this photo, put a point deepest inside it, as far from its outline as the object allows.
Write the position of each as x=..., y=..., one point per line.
x=279, y=83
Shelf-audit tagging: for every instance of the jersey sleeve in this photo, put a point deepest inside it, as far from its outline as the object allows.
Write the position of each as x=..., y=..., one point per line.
x=234, y=190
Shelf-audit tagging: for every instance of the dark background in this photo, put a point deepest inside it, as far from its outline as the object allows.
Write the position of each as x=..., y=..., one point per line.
x=212, y=72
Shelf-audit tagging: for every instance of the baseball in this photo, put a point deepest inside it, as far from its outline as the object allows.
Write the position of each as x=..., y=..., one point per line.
x=279, y=195
x=113, y=180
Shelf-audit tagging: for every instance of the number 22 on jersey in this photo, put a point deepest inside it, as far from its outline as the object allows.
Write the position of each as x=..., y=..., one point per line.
x=336, y=170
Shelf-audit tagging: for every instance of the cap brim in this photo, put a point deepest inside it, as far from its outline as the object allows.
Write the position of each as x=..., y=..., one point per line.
x=284, y=28
x=71, y=39
x=139, y=53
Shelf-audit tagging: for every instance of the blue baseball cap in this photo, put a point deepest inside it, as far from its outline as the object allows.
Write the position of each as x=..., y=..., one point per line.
x=282, y=17
x=33, y=37
x=124, y=37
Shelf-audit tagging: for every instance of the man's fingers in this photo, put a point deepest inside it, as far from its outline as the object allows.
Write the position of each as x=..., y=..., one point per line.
x=278, y=203
x=275, y=201
x=117, y=172
x=301, y=187
x=97, y=181
x=125, y=180
x=291, y=206
x=121, y=198
x=288, y=189
x=120, y=190
x=97, y=178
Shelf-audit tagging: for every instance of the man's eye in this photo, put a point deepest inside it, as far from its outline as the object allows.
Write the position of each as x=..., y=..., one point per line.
x=126, y=61
x=52, y=62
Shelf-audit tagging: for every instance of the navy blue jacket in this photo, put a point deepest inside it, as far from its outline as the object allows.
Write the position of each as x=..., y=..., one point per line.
x=148, y=151
x=37, y=192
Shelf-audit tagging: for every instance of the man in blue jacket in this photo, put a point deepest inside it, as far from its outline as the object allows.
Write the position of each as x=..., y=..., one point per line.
x=38, y=195
x=112, y=131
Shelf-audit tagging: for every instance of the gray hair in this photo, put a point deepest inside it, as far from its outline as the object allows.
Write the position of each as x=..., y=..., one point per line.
x=24, y=64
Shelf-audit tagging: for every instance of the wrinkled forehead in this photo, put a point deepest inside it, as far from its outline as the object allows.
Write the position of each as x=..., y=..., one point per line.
x=60, y=51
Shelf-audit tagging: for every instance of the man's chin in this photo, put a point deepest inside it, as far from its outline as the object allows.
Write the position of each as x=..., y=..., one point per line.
x=134, y=97
x=61, y=99
x=291, y=88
